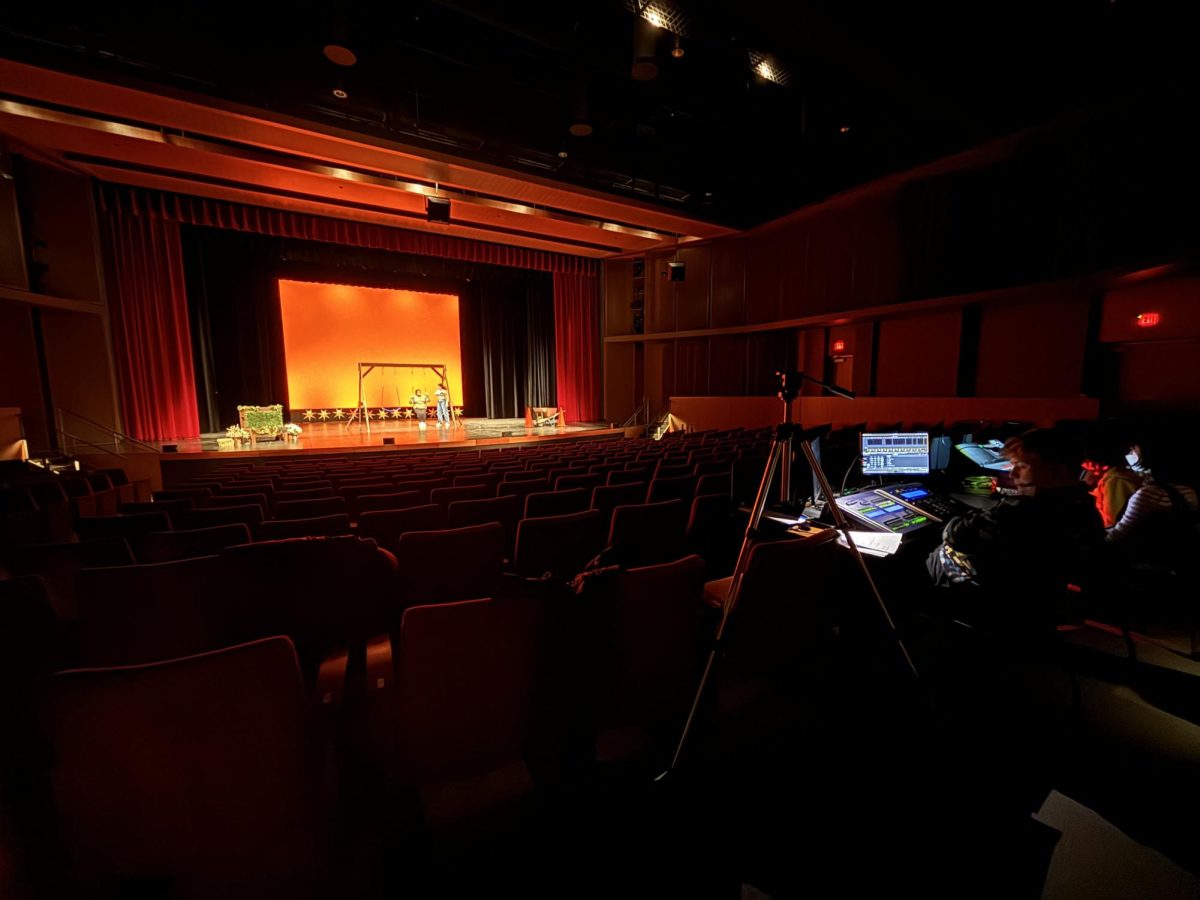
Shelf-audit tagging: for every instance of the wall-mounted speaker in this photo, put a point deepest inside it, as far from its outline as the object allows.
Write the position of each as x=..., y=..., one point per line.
x=677, y=271
x=389, y=441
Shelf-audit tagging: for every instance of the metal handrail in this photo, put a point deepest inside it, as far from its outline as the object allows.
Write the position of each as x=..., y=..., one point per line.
x=118, y=436
x=644, y=406
x=76, y=438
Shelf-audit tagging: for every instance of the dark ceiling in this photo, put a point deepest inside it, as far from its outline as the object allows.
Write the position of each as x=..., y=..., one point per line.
x=872, y=88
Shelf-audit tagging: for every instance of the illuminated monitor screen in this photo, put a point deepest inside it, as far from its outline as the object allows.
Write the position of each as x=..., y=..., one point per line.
x=896, y=453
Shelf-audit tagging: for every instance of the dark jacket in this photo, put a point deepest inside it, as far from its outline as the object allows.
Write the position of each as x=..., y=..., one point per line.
x=1029, y=558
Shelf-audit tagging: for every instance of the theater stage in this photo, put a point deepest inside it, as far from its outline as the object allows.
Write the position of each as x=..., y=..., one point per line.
x=324, y=438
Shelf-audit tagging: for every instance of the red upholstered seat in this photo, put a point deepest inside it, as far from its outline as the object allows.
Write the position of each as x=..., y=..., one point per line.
x=204, y=771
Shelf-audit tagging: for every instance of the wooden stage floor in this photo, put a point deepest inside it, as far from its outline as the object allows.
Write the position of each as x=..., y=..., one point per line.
x=331, y=437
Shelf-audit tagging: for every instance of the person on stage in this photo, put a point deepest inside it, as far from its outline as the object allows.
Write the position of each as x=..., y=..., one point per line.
x=420, y=405
x=442, y=395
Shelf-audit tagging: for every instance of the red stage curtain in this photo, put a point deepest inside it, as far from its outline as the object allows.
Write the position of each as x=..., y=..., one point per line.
x=577, y=342
x=151, y=338
x=281, y=223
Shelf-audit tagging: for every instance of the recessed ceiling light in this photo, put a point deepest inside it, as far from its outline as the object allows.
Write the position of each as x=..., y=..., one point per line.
x=563, y=154
x=845, y=129
x=340, y=55
x=340, y=93
x=580, y=129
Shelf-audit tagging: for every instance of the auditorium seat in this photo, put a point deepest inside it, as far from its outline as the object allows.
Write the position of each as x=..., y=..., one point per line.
x=93, y=527
x=488, y=479
x=316, y=526
x=59, y=564
x=606, y=498
x=462, y=743
x=352, y=493
x=783, y=625
x=648, y=660
x=167, y=546
x=453, y=564
x=560, y=546
x=444, y=496
x=648, y=533
x=422, y=484
x=309, y=509
x=714, y=483
x=394, y=499
x=191, y=519
x=711, y=533
x=218, y=501
x=203, y=774
x=570, y=482
x=182, y=493
x=386, y=525
x=145, y=613
x=637, y=475
x=505, y=509
x=556, y=503
x=145, y=506
x=309, y=494
x=682, y=487
x=29, y=652
x=322, y=592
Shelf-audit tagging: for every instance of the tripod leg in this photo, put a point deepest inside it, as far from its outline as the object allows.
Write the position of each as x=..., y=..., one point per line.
x=779, y=446
x=843, y=526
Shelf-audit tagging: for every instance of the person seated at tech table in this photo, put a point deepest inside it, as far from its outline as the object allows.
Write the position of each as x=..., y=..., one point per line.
x=1023, y=565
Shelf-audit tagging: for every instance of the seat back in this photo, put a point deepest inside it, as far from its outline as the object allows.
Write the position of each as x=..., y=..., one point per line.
x=90, y=528
x=455, y=564
x=559, y=545
x=648, y=533
x=29, y=650
x=167, y=546
x=557, y=503
x=309, y=509
x=606, y=498
x=317, y=526
x=387, y=525
x=59, y=564
x=138, y=614
x=504, y=509
x=191, y=519
x=202, y=770
x=480, y=654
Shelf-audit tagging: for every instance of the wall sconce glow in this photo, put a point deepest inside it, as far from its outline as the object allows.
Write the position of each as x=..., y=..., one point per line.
x=1148, y=319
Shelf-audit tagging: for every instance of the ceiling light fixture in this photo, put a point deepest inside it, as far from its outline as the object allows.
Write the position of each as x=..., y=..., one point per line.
x=340, y=55
x=768, y=69
x=340, y=93
x=677, y=51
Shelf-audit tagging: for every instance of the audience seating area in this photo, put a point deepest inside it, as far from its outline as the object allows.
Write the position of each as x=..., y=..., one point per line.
x=237, y=681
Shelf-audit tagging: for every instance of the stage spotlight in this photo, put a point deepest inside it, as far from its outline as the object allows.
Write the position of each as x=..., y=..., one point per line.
x=437, y=209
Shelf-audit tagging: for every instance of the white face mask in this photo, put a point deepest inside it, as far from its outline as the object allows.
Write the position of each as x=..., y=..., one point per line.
x=1132, y=458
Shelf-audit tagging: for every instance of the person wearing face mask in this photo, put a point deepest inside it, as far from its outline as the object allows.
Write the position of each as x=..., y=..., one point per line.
x=1113, y=482
x=1024, y=560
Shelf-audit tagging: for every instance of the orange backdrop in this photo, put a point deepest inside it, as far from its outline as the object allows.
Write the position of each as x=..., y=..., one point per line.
x=329, y=328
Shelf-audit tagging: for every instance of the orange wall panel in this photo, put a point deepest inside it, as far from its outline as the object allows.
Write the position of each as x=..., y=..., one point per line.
x=329, y=328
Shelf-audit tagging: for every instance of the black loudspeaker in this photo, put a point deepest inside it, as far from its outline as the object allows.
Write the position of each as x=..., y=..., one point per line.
x=389, y=441
x=437, y=209
x=170, y=448
x=677, y=270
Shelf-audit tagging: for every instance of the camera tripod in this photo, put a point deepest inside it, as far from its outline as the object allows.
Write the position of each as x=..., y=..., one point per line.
x=780, y=456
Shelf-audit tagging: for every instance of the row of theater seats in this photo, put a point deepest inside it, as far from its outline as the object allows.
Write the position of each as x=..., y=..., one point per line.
x=188, y=748
x=212, y=769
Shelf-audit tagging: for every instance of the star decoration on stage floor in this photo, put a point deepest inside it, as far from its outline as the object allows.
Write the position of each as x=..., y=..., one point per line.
x=338, y=414
x=408, y=414
x=323, y=415
x=308, y=415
